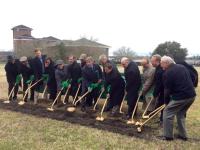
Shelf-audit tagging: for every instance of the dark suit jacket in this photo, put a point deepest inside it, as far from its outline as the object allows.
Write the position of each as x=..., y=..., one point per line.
x=74, y=72
x=91, y=75
x=158, y=82
x=38, y=67
x=132, y=76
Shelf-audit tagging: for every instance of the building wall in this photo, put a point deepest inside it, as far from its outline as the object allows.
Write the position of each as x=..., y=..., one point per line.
x=26, y=48
x=20, y=32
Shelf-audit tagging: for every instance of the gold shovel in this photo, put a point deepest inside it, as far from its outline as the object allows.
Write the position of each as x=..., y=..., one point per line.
x=95, y=105
x=27, y=90
x=144, y=116
x=101, y=118
x=132, y=121
x=73, y=108
x=8, y=101
x=58, y=95
x=141, y=124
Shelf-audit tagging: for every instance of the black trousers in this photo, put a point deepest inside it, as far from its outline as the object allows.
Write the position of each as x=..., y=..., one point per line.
x=132, y=97
x=10, y=87
x=31, y=92
x=24, y=89
x=160, y=102
x=91, y=97
x=116, y=98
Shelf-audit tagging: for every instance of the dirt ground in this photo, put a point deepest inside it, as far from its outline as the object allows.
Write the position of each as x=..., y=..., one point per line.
x=113, y=124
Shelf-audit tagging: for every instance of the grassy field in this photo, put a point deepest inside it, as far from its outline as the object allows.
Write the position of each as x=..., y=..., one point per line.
x=33, y=127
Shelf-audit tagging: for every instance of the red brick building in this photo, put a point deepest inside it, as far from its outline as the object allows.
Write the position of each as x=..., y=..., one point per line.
x=24, y=44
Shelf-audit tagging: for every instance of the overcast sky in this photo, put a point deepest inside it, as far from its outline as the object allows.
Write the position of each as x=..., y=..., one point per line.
x=138, y=24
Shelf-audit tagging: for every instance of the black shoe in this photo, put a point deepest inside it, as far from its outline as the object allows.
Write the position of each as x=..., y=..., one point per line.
x=126, y=117
x=83, y=108
x=165, y=138
x=14, y=98
x=182, y=138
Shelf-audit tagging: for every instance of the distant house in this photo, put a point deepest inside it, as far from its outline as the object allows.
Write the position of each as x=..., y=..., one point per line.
x=24, y=44
x=4, y=54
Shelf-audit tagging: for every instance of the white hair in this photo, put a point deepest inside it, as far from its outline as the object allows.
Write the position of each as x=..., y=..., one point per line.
x=167, y=60
x=124, y=59
x=103, y=56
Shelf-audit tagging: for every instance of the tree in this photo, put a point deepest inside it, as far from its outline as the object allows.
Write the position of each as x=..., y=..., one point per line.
x=172, y=49
x=124, y=52
x=61, y=51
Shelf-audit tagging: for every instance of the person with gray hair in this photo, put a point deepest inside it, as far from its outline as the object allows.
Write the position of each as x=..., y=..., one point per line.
x=179, y=94
x=82, y=59
x=91, y=74
x=103, y=60
x=133, y=83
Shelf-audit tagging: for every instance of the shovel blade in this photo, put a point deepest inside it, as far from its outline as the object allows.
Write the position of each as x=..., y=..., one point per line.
x=50, y=109
x=21, y=103
x=130, y=122
x=100, y=118
x=6, y=102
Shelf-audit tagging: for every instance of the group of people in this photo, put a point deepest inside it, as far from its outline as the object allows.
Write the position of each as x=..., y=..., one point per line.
x=169, y=83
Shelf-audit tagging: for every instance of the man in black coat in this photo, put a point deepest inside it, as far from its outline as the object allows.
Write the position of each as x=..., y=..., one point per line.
x=26, y=72
x=91, y=73
x=158, y=92
x=133, y=83
x=117, y=83
x=179, y=94
x=74, y=72
x=12, y=70
x=82, y=59
x=38, y=70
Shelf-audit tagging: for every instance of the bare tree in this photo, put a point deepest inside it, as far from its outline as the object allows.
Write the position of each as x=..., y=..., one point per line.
x=124, y=52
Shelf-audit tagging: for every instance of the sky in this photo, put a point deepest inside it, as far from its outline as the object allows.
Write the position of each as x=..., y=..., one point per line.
x=138, y=24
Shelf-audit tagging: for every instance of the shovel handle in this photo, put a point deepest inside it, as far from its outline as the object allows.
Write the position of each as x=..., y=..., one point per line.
x=67, y=91
x=11, y=91
x=159, y=109
x=104, y=105
x=120, y=110
x=133, y=113
x=81, y=97
x=45, y=89
x=147, y=107
x=56, y=98
x=79, y=86
x=98, y=99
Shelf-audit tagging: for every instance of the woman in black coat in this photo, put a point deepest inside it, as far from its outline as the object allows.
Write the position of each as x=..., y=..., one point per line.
x=51, y=83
